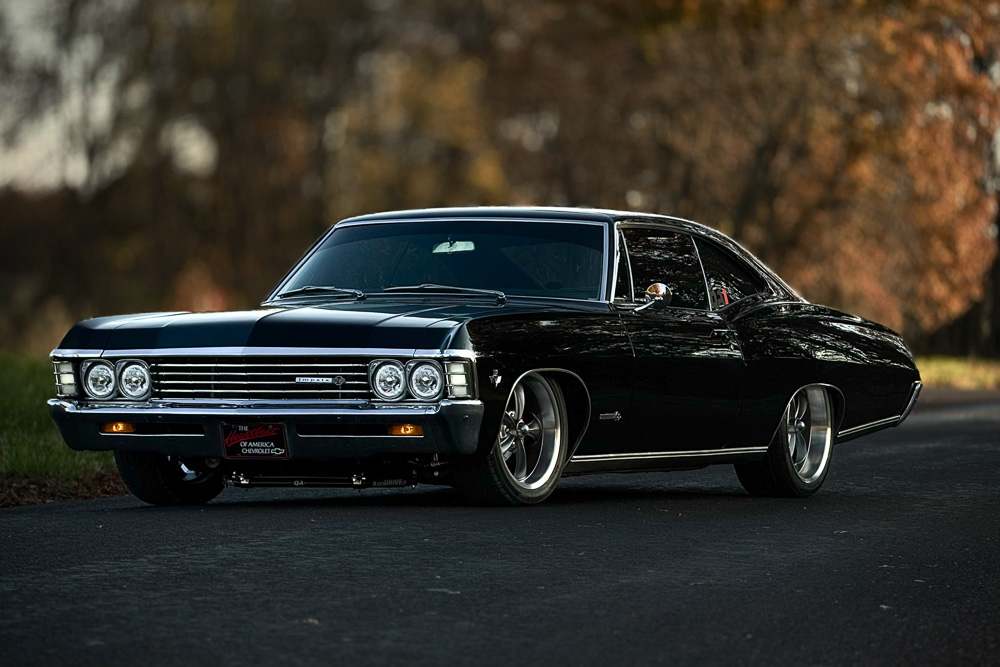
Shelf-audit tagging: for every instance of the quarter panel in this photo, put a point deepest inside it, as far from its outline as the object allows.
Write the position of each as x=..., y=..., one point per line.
x=789, y=345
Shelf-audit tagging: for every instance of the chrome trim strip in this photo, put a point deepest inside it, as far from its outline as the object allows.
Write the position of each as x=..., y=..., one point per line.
x=71, y=353
x=279, y=409
x=334, y=436
x=151, y=435
x=277, y=352
x=888, y=421
x=878, y=423
x=645, y=456
x=914, y=393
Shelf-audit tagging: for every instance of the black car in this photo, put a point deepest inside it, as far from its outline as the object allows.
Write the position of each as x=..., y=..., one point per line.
x=493, y=349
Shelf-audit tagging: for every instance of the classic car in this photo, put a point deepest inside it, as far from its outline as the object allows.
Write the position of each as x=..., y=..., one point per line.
x=492, y=349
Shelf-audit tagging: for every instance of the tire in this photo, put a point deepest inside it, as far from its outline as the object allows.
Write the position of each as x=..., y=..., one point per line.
x=798, y=458
x=528, y=454
x=159, y=480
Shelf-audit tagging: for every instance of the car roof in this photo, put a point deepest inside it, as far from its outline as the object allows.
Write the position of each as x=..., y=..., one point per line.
x=525, y=212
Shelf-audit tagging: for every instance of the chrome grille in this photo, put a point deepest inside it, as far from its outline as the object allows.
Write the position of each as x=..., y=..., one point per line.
x=259, y=377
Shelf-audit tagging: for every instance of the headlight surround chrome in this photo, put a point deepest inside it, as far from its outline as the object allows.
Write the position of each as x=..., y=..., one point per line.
x=388, y=379
x=134, y=381
x=426, y=380
x=99, y=379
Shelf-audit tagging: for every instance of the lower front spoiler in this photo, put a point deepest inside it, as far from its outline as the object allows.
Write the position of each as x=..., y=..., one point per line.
x=311, y=431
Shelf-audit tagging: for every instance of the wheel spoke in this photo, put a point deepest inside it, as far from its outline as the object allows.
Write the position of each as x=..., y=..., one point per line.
x=520, y=460
x=801, y=449
x=801, y=403
x=509, y=421
x=506, y=446
x=518, y=402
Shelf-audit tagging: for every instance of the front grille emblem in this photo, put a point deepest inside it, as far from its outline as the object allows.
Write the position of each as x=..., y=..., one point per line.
x=337, y=380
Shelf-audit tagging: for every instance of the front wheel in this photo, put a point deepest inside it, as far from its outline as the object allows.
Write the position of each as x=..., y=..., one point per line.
x=163, y=480
x=798, y=458
x=527, y=457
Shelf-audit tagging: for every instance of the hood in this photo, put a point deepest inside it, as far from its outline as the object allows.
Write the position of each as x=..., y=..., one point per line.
x=356, y=324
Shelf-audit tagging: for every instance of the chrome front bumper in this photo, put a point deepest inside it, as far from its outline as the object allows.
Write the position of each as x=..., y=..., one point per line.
x=449, y=427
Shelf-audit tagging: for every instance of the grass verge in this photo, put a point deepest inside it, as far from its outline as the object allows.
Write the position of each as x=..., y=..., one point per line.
x=35, y=464
x=960, y=373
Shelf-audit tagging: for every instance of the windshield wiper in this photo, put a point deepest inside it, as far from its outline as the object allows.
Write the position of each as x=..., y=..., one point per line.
x=434, y=287
x=358, y=294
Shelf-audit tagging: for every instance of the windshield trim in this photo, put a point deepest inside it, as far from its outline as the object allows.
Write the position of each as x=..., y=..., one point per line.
x=603, y=298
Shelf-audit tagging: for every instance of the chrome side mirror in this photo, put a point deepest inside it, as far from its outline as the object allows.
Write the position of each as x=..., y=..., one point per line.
x=658, y=297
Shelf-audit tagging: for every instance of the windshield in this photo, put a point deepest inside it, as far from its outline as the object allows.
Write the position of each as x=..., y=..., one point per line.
x=517, y=258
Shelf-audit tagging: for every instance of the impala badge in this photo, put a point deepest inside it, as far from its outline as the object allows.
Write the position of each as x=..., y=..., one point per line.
x=495, y=378
x=318, y=380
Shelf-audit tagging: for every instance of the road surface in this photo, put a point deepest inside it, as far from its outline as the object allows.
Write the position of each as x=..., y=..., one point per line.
x=895, y=562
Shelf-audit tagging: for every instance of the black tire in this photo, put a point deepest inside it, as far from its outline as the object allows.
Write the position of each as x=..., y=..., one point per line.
x=485, y=478
x=777, y=475
x=159, y=480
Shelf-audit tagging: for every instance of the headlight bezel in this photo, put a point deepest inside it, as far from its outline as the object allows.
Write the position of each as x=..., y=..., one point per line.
x=377, y=365
x=87, y=367
x=121, y=367
x=411, y=369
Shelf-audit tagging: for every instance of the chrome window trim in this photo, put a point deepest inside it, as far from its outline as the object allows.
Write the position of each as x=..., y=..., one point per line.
x=667, y=227
x=673, y=223
x=602, y=297
x=621, y=245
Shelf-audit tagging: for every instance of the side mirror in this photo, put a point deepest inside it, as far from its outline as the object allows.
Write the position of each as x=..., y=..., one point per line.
x=658, y=297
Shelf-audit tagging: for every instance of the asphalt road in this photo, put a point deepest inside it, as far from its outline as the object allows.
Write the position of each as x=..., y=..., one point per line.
x=894, y=562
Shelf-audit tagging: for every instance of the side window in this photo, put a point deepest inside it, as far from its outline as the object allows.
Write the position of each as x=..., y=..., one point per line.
x=729, y=279
x=661, y=256
x=623, y=283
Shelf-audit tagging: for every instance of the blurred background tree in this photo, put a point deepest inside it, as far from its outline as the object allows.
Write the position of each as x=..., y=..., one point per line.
x=182, y=154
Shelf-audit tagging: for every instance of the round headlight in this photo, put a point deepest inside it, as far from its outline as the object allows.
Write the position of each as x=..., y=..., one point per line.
x=389, y=381
x=426, y=381
x=134, y=381
x=100, y=380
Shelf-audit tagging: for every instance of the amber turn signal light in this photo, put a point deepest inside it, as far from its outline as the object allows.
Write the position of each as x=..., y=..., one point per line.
x=406, y=429
x=117, y=427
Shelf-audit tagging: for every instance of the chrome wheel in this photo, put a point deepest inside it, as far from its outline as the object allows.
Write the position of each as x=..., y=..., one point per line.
x=530, y=434
x=808, y=425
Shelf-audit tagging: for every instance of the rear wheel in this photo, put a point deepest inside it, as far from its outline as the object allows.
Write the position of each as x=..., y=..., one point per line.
x=524, y=464
x=162, y=480
x=798, y=458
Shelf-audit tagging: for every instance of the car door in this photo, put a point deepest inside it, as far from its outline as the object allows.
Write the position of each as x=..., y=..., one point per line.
x=688, y=368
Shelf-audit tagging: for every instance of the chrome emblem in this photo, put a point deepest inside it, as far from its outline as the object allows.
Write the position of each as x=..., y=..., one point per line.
x=495, y=378
x=339, y=380
x=318, y=380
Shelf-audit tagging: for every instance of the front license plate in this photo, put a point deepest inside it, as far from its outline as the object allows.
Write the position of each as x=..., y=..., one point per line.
x=254, y=441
